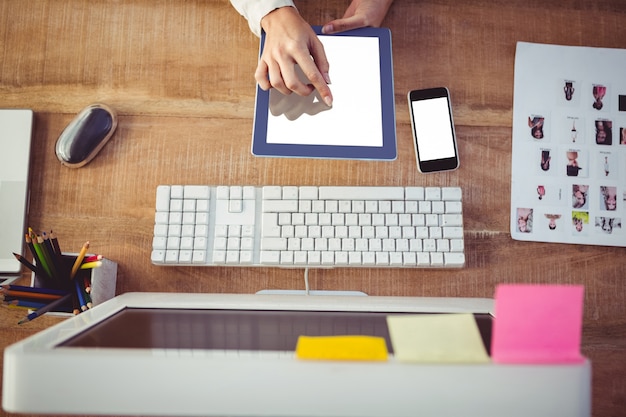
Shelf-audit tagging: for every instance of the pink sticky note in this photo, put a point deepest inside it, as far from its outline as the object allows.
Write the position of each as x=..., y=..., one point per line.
x=537, y=324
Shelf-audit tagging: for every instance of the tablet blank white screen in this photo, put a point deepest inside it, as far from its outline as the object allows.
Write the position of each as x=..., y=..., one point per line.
x=355, y=118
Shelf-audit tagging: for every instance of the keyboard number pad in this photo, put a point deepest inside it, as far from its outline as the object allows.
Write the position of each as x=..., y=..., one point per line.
x=181, y=225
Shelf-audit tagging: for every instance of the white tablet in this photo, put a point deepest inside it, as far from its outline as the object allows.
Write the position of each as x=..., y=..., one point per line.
x=361, y=123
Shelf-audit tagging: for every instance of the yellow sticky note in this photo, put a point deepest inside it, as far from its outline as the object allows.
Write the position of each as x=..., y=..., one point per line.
x=357, y=348
x=447, y=338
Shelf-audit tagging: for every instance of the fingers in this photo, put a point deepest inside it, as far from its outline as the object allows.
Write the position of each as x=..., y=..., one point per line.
x=318, y=82
x=292, y=46
x=281, y=76
x=261, y=75
x=278, y=68
x=316, y=70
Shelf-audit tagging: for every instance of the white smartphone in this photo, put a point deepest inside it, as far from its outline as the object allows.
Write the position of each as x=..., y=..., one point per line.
x=433, y=130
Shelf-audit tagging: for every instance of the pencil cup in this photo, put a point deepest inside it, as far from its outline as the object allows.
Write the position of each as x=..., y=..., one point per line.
x=101, y=282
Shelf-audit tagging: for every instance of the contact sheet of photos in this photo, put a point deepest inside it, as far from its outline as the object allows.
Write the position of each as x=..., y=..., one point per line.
x=568, y=175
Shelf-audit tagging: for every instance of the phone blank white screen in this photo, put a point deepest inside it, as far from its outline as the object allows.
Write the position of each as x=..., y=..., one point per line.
x=432, y=129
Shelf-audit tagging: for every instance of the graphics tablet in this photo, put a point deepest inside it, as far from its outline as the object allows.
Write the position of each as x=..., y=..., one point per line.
x=361, y=124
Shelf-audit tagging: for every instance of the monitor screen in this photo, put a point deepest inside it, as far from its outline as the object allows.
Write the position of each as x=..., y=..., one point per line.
x=220, y=329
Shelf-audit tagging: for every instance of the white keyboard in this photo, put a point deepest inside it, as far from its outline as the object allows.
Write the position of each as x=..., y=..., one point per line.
x=303, y=227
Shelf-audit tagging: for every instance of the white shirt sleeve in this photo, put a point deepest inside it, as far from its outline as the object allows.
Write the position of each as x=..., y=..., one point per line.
x=255, y=10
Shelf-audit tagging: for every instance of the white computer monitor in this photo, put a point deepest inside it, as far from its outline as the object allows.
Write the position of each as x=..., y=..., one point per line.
x=233, y=355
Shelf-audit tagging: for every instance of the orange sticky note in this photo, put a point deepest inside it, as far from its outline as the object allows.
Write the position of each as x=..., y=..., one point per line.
x=537, y=324
x=357, y=348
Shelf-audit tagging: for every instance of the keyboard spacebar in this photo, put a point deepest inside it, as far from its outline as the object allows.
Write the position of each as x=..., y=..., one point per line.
x=361, y=193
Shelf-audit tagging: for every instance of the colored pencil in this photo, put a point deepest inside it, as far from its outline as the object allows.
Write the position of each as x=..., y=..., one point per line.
x=81, y=297
x=31, y=295
x=91, y=265
x=79, y=260
x=18, y=307
x=92, y=258
x=47, y=242
x=88, y=301
x=55, y=243
x=24, y=303
x=46, y=249
x=27, y=264
x=40, y=256
x=75, y=303
x=31, y=247
x=55, y=257
x=87, y=281
x=34, y=289
x=49, y=307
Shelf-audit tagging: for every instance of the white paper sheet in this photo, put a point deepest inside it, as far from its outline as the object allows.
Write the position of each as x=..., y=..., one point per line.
x=568, y=171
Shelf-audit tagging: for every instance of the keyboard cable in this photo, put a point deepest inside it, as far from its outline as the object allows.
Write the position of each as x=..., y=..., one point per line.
x=306, y=281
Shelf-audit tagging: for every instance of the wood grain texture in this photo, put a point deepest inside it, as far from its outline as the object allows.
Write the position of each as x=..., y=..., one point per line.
x=180, y=75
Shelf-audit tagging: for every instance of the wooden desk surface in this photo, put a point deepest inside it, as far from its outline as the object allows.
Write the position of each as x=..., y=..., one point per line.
x=180, y=74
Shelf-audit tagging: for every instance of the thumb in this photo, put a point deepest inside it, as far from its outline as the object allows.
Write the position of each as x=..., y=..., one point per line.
x=342, y=25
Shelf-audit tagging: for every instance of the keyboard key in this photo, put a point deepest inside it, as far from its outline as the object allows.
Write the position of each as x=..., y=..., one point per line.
x=246, y=257
x=157, y=256
x=171, y=256
x=451, y=193
x=451, y=220
x=222, y=192
x=273, y=244
x=196, y=192
x=219, y=256
x=436, y=259
x=341, y=258
x=432, y=193
x=199, y=257
x=456, y=245
x=163, y=198
x=300, y=258
x=361, y=193
x=454, y=259
x=308, y=193
x=184, y=256
x=177, y=192
x=414, y=193
x=272, y=193
x=453, y=232
x=269, y=257
x=454, y=207
x=159, y=242
x=314, y=257
x=423, y=259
